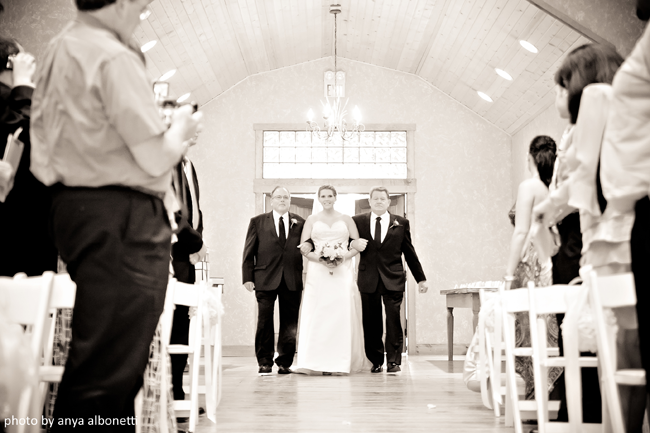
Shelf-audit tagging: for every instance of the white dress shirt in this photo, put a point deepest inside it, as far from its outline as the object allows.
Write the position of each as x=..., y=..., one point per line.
x=187, y=167
x=285, y=219
x=385, y=220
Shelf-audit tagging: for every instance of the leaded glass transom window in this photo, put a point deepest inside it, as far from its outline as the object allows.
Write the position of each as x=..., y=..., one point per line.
x=301, y=155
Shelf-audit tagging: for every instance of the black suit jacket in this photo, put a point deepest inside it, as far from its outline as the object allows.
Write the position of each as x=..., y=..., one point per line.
x=385, y=262
x=25, y=243
x=190, y=239
x=266, y=260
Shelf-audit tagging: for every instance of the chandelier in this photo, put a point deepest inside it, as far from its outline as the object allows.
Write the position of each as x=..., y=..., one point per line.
x=334, y=112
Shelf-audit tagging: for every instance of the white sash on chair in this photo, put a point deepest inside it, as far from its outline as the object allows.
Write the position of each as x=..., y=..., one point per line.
x=212, y=313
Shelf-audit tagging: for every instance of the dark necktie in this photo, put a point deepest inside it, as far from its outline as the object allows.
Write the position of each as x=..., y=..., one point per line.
x=283, y=237
x=378, y=231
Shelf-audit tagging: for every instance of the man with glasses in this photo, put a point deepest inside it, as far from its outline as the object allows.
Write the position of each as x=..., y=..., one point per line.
x=272, y=266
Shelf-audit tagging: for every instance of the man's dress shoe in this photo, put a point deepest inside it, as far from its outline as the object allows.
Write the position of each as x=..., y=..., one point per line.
x=283, y=370
x=393, y=368
x=265, y=369
x=376, y=369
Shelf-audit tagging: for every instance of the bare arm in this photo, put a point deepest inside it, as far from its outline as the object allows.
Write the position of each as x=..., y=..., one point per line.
x=525, y=202
x=354, y=234
x=306, y=234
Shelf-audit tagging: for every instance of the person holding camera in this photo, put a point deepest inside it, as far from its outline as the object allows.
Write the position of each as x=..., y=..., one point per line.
x=101, y=145
x=24, y=201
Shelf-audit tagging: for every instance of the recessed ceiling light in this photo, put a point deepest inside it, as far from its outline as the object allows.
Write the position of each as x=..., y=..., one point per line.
x=484, y=96
x=149, y=45
x=503, y=74
x=167, y=75
x=182, y=98
x=530, y=47
x=144, y=15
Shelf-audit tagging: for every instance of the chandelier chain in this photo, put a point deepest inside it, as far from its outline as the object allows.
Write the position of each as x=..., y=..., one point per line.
x=335, y=69
x=334, y=112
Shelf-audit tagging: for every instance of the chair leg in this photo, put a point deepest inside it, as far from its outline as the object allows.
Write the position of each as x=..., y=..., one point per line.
x=511, y=382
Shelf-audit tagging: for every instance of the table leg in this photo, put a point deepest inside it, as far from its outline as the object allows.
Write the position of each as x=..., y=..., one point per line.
x=476, y=307
x=450, y=333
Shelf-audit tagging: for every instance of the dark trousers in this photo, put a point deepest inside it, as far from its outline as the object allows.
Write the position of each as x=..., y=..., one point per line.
x=640, y=249
x=566, y=267
x=116, y=244
x=289, y=302
x=185, y=273
x=373, y=326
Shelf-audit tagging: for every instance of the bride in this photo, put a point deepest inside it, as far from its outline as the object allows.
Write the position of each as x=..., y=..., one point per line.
x=331, y=334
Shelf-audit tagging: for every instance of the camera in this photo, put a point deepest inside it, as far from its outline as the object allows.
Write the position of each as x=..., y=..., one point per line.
x=167, y=106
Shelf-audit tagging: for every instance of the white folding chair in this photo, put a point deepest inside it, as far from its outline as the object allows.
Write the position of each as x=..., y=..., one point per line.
x=64, y=292
x=25, y=301
x=553, y=300
x=614, y=291
x=190, y=295
x=517, y=301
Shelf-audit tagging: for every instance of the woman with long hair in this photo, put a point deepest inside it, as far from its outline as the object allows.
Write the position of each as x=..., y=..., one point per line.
x=524, y=264
x=331, y=332
x=583, y=95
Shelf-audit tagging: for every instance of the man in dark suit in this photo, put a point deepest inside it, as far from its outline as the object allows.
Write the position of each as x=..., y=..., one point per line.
x=186, y=252
x=272, y=266
x=382, y=276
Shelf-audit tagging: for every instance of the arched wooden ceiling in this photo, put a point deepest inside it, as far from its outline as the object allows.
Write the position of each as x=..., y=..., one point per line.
x=452, y=44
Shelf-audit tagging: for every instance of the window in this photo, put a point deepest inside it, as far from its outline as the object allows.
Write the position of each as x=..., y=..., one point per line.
x=302, y=155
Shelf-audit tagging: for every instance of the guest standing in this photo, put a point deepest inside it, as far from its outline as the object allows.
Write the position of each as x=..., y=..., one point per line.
x=625, y=174
x=186, y=252
x=524, y=263
x=24, y=201
x=100, y=143
x=582, y=97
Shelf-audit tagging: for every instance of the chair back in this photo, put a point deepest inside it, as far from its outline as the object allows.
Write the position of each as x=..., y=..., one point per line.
x=552, y=299
x=611, y=291
x=64, y=292
x=615, y=291
x=25, y=301
x=514, y=301
x=187, y=294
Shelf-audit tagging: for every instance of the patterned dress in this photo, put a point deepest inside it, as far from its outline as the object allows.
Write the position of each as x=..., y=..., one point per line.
x=530, y=269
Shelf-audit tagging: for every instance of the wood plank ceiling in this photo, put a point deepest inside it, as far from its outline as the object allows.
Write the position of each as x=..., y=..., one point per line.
x=453, y=44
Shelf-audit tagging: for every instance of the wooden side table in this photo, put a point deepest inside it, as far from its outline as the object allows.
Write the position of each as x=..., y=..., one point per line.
x=461, y=298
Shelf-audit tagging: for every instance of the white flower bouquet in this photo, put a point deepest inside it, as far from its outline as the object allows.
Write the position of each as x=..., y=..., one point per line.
x=331, y=255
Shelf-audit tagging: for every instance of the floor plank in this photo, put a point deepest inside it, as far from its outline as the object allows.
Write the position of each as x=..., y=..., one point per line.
x=428, y=395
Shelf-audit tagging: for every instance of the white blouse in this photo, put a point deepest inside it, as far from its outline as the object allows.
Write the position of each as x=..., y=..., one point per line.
x=625, y=166
x=578, y=163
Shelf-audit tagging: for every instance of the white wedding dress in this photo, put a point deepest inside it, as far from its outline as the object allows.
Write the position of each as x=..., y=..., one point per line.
x=330, y=333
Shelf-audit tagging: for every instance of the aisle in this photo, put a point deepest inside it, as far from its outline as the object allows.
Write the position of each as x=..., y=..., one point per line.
x=365, y=402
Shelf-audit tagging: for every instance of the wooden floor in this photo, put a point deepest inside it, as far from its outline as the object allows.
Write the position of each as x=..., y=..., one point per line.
x=428, y=395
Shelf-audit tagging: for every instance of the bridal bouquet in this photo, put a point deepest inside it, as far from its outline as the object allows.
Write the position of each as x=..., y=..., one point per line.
x=332, y=254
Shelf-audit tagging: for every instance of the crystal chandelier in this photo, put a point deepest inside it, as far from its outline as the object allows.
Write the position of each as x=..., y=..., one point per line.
x=334, y=112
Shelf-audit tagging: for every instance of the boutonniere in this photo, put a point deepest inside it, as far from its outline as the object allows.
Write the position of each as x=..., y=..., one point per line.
x=395, y=224
x=293, y=221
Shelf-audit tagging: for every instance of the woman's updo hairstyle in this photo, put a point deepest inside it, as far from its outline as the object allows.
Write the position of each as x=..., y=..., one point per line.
x=330, y=187
x=542, y=149
x=587, y=64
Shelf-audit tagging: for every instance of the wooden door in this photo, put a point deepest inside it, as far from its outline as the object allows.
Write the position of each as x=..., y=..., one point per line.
x=397, y=207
